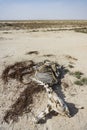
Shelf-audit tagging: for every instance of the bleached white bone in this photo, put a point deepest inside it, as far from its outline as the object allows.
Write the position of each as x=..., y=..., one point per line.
x=55, y=103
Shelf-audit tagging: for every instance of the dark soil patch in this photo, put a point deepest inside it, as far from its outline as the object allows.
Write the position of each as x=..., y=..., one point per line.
x=66, y=85
x=71, y=66
x=49, y=55
x=32, y=52
x=18, y=70
x=23, y=104
x=70, y=57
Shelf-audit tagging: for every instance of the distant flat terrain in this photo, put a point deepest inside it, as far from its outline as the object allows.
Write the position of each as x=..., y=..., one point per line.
x=48, y=25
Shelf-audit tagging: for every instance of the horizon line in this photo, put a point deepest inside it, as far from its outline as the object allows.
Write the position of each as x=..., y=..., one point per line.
x=43, y=19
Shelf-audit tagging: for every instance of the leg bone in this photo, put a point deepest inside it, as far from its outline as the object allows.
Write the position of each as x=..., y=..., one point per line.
x=43, y=114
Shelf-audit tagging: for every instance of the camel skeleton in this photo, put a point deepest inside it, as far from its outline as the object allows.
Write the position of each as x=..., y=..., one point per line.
x=55, y=103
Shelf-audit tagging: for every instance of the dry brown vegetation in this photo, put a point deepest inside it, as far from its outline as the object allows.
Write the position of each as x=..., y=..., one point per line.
x=82, y=30
x=51, y=25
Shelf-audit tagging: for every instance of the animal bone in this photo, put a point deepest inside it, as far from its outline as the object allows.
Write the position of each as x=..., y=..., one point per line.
x=55, y=103
x=47, y=75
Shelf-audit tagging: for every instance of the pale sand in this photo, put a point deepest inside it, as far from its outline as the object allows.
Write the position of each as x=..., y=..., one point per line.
x=13, y=48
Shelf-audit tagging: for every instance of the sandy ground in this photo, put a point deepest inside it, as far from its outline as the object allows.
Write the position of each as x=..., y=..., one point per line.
x=13, y=48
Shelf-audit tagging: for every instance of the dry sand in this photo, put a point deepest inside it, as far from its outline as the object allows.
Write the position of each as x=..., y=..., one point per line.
x=14, y=46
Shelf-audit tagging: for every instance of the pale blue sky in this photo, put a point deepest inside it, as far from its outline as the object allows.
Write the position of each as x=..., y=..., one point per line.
x=43, y=9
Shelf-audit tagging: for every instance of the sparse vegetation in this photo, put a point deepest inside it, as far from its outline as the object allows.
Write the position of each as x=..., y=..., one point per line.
x=82, y=30
x=34, y=30
x=78, y=82
x=82, y=81
x=50, y=25
x=71, y=66
x=77, y=74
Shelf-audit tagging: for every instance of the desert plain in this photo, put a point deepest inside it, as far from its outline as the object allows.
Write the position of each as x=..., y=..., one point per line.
x=64, y=42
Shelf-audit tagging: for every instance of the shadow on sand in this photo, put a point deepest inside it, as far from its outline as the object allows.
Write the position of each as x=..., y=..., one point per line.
x=72, y=108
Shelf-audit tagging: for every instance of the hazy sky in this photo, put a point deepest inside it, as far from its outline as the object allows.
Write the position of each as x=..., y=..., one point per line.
x=43, y=9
